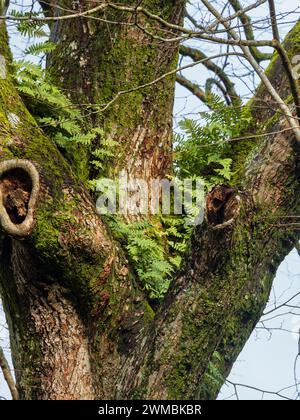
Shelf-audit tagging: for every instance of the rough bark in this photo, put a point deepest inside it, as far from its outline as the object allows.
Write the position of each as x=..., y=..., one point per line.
x=66, y=276
x=219, y=296
x=95, y=60
x=80, y=326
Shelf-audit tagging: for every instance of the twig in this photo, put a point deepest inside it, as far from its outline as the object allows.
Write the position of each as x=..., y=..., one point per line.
x=8, y=376
x=294, y=124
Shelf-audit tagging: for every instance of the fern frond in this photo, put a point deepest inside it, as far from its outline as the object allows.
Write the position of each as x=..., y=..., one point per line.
x=40, y=48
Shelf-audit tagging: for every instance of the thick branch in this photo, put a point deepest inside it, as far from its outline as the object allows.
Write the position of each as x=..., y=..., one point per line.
x=218, y=297
x=66, y=288
x=106, y=78
x=193, y=88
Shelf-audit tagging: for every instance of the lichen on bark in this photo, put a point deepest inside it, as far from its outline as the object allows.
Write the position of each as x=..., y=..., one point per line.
x=71, y=298
x=95, y=66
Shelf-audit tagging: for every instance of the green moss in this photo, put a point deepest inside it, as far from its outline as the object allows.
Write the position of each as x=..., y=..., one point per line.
x=209, y=330
x=110, y=65
x=292, y=41
x=55, y=216
x=149, y=314
x=245, y=150
x=275, y=70
x=271, y=64
x=4, y=50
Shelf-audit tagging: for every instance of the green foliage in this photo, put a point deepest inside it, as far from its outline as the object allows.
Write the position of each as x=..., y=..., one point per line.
x=203, y=149
x=104, y=154
x=40, y=48
x=56, y=114
x=145, y=244
x=178, y=233
x=213, y=377
x=155, y=248
x=30, y=28
x=32, y=82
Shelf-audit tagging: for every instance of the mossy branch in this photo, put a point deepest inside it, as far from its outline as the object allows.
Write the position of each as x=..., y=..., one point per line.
x=284, y=58
x=246, y=21
x=197, y=55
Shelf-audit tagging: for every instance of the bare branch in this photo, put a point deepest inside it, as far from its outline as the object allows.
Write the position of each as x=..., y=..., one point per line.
x=235, y=385
x=8, y=376
x=168, y=74
x=140, y=10
x=274, y=20
x=284, y=58
x=193, y=88
x=282, y=305
x=197, y=55
x=55, y=18
x=284, y=108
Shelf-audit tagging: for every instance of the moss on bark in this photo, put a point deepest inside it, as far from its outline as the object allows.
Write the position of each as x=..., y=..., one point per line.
x=94, y=65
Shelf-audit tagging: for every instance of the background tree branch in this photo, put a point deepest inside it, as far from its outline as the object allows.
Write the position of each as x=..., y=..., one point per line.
x=8, y=376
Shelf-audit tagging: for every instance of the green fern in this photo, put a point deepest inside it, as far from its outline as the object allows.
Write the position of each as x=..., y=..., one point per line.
x=147, y=252
x=203, y=148
x=40, y=48
x=28, y=27
x=155, y=248
x=32, y=80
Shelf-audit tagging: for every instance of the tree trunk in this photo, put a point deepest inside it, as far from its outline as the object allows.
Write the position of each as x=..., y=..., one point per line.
x=80, y=326
x=95, y=60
